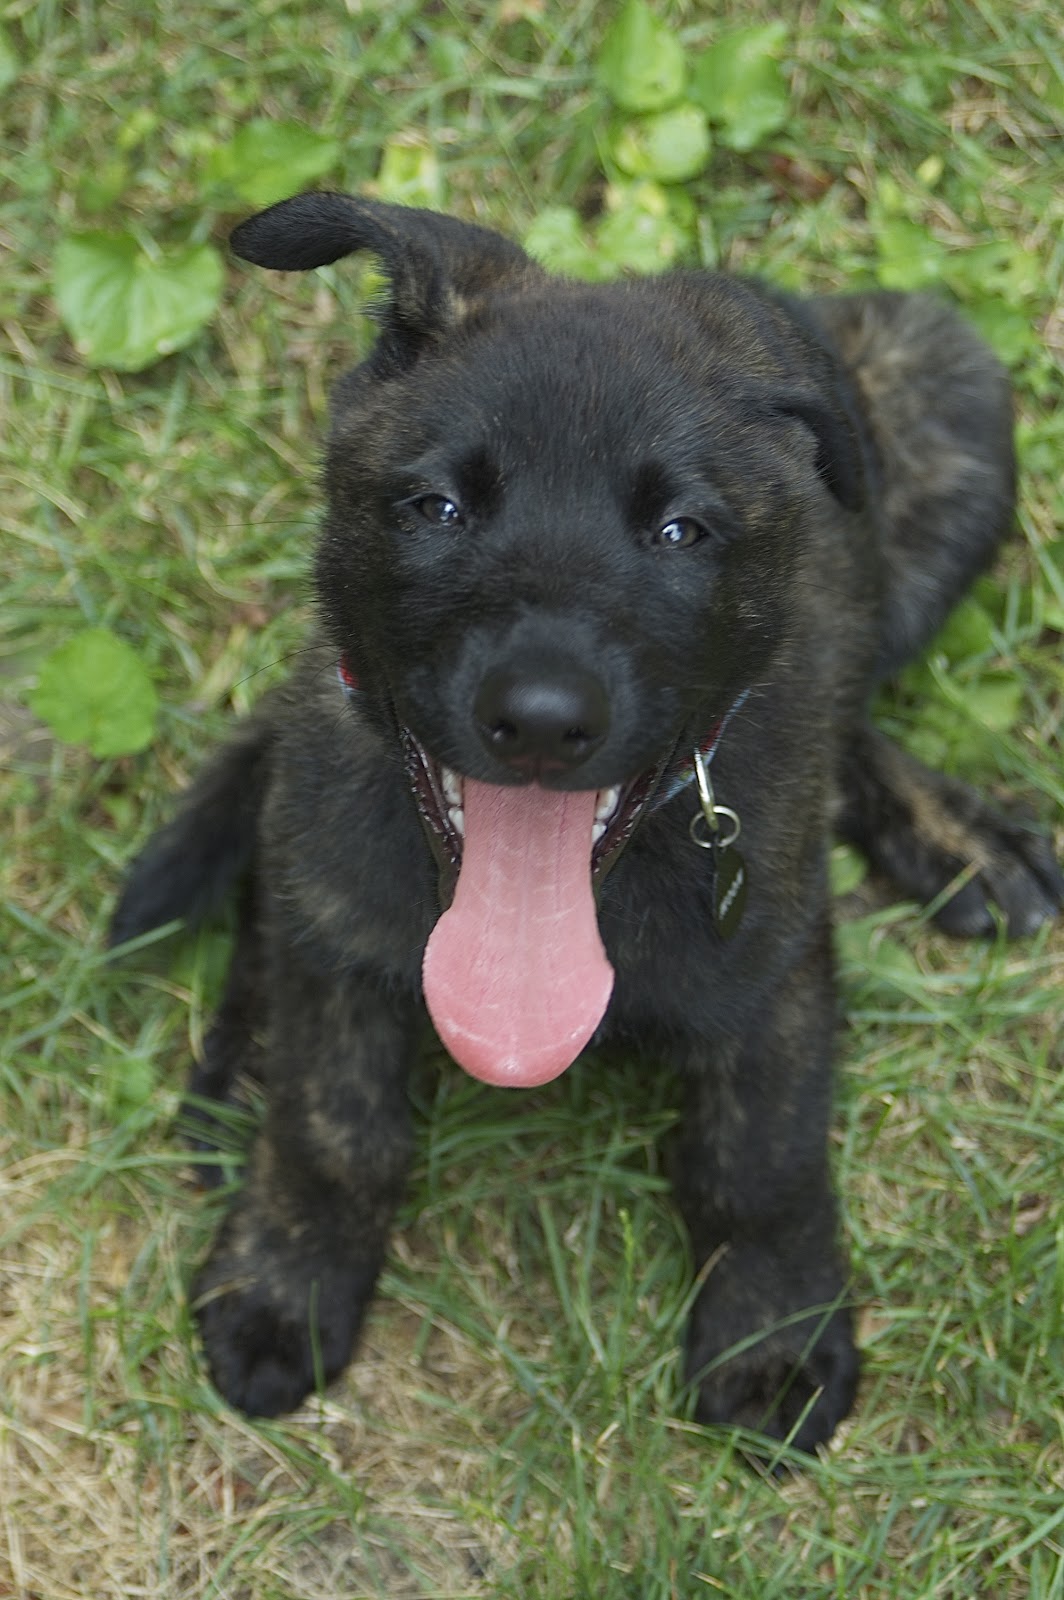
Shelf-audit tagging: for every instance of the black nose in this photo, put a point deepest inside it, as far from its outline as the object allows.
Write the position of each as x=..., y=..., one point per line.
x=538, y=723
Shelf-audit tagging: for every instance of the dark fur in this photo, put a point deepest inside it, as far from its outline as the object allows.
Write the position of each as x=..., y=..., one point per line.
x=851, y=461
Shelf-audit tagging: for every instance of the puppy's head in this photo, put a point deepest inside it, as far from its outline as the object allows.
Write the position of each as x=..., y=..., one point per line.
x=563, y=531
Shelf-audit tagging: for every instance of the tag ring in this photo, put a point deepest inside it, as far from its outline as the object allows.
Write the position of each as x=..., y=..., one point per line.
x=710, y=812
x=713, y=842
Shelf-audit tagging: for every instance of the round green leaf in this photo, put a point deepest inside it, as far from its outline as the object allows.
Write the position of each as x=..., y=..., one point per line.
x=995, y=700
x=266, y=161
x=410, y=175
x=1008, y=329
x=124, y=308
x=968, y=631
x=909, y=256
x=641, y=64
x=95, y=690
x=641, y=231
x=557, y=241
x=739, y=83
x=670, y=146
x=875, y=961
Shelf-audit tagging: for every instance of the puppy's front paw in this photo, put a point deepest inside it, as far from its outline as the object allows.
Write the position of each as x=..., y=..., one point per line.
x=275, y=1320
x=759, y=1366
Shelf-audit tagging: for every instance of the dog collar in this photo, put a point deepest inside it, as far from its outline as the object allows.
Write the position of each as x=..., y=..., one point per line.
x=706, y=749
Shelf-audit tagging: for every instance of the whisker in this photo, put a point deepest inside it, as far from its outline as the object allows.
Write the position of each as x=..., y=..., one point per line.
x=290, y=655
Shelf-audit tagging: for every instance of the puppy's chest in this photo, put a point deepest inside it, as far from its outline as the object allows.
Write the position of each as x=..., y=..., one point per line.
x=674, y=966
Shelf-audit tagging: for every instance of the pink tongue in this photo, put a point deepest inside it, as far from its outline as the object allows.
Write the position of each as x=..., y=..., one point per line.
x=516, y=979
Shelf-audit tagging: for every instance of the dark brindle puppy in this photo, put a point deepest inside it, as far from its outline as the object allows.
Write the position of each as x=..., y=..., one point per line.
x=581, y=541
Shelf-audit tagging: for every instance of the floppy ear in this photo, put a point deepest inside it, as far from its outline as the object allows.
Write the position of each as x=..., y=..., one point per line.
x=433, y=263
x=840, y=457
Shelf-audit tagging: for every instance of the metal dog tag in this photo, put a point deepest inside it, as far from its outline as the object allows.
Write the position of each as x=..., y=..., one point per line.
x=729, y=890
x=728, y=869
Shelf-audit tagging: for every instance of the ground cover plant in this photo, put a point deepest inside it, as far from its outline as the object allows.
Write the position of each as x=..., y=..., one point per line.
x=515, y=1426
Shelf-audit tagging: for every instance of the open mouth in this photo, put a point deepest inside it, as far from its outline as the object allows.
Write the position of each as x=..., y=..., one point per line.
x=515, y=974
x=440, y=795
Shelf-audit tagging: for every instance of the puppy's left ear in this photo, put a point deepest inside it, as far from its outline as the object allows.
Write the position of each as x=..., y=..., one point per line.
x=434, y=264
x=840, y=456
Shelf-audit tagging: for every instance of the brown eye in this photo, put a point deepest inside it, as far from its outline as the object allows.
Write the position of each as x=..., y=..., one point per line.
x=438, y=509
x=679, y=533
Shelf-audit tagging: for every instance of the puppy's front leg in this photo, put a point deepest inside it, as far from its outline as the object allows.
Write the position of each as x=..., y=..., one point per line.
x=770, y=1343
x=283, y=1292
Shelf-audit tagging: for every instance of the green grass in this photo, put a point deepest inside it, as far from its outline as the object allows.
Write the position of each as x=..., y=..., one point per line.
x=515, y=1426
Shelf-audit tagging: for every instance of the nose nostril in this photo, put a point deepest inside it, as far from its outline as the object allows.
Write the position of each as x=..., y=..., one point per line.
x=538, y=721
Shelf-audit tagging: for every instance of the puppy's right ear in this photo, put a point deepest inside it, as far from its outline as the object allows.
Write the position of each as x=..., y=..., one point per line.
x=435, y=265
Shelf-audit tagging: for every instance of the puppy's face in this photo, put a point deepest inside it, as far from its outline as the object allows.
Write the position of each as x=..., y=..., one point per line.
x=562, y=543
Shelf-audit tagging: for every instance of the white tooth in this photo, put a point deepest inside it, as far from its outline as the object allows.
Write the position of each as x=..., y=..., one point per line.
x=608, y=801
x=452, y=785
x=457, y=817
x=597, y=830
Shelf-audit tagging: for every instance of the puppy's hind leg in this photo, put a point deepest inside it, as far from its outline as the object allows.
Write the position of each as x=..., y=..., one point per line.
x=938, y=410
x=923, y=830
x=937, y=405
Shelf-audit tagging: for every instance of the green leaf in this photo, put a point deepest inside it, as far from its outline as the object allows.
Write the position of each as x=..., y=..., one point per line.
x=557, y=241
x=849, y=869
x=1010, y=331
x=124, y=308
x=876, y=963
x=994, y=700
x=968, y=631
x=640, y=231
x=645, y=229
x=909, y=256
x=95, y=690
x=740, y=85
x=267, y=161
x=997, y=268
x=410, y=175
x=670, y=146
x=641, y=64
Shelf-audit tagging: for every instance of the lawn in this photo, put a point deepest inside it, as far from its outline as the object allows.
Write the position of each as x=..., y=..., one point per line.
x=515, y=1426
